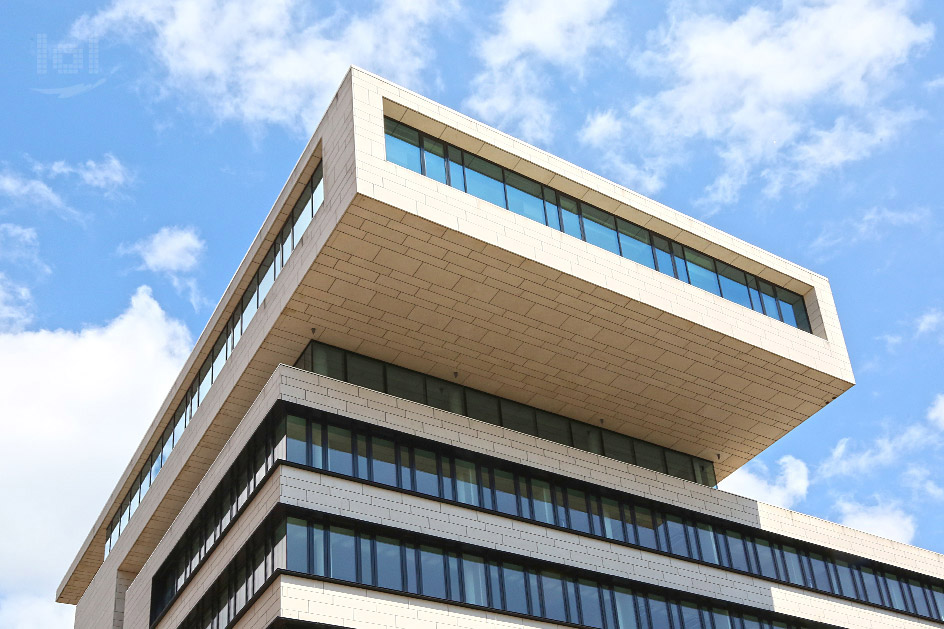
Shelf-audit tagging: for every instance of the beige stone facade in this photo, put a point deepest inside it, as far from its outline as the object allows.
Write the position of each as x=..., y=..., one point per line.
x=410, y=271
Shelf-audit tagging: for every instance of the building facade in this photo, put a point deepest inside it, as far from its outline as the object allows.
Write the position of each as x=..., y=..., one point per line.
x=459, y=381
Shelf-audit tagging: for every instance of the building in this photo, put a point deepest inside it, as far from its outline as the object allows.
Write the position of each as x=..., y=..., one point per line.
x=457, y=381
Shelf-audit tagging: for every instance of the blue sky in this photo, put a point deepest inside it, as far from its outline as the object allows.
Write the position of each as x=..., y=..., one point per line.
x=142, y=143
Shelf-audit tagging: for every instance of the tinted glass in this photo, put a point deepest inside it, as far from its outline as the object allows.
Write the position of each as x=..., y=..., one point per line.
x=733, y=284
x=691, y=617
x=434, y=159
x=676, y=535
x=389, y=568
x=917, y=595
x=553, y=427
x=367, y=562
x=768, y=299
x=871, y=586
x=444, y=395
x=721, y=619
x=551, y=211
x=456, y=173
x=467, y=487
x=679, y=465
x=340, y=454
x=365, y=372
x=517, y=417
x=383, y=461
x=505, y=499
x=515, y=599
x=577, y=510
x=570, y=217
x=619, y=447
x=600, y=228
x=701, y=271
x=328, y=361
x=736, y=549
x=625, y=608
x=634, y=243
x=659, y=613
x=524, y=197
x=406, y=384
x=341, y=543
x=296, y=439
x=846, y=579
x=296, y=542
x=792, y=560
x=894, y=591
x=765, y=558
x=552, y=587
x=754, y=293
x=663, y=255
x=541, y=501
x=482, y=406
x=403, y=145
x=432, y=572
x=820, y=576
x=591, y=613
x=707, y=543
x=484, y=180
x=473, y=580
x=612, y=520
x=649, y=456
x=645, y=527
x=793, y=309
x=678, y=256
x=587, y=437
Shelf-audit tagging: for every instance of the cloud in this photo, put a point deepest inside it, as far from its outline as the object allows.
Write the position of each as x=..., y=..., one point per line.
x=20, y=246
x=754, y=481
x=108, y=175
x=269, y=62
x=782, y=91
x=600, y=128
x=936, y=412
x=929, y=322
x=16, y=306
x=872, y=225
x=529, y=37
x=101, y=390
x=892, y=341
x=885, y=519
x=174, y=252
x=33, y=192
x=919, y=479
x=935, y=83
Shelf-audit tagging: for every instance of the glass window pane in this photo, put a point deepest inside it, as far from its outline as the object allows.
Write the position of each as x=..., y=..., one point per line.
x=768, y=299
x=552, y=586
x=721, y=619
x=383, y=461
x=456, y=173
x=340, y=451
x=691, y=616
x=551, y=211
x=317, y=446
x=793, y=309
x=612, y=520
x=625, y=608
x=515, y=598
x=553, y=427
x=296, y=537
x=591, y=614
x=448, y=480
x=751, y=622
x=432, y=572
x=482, y=406
x=328, y=361
x=452, y=566
x=663, y=255
x=634, y=243
x=704, y=472
x=444, y=395
x=738, y=553
x=917, y=595
x=645, y=527
x=792, y=559
x=765, y=557
x=362, y=463
x=676, y=535
x=434, y=159
x=871, y=585
x=619, y=447
x=600, y=228
x=820, y=576
x=389, y=565
x=659, y=613
x=427, y=476
x=524, y=197
x=343, y=564
x=518, y=417
x=894, y=591
x=403, y=145
x=570, y=217
x=846, y=579
x=365, y=372
x=265, y=275
x=541, y=501
x=587, y=437
x=679, y=465
x=733, y=284
x=467, y=486
x=649, y=456
x=505, y=499
x=701, y=271
x=406, y=384
x=579, y=518
x=301, y=214
x=754, y=293
x=678, y=256
x=473, y=580
x=937, y=593
x=296, y=440
x=483, y=179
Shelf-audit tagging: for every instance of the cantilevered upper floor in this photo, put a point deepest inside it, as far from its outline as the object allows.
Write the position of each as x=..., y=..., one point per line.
x=413, y=235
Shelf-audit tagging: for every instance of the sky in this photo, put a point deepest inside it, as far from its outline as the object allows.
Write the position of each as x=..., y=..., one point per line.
x=143, y=142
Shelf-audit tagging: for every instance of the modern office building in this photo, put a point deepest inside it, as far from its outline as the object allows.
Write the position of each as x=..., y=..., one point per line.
x=459, y=382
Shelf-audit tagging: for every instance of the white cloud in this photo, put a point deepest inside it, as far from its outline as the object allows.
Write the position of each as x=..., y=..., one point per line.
x=33, y=192
x=270, y=62
x=16, y=306
x=789, y=90
x=892, y=341
x=601, y=128
x=871, y=225
x=174, y=252
x=20, y=246
x=107, y=175
x=919, y=479
x=529, y=37
x=936, y=412
x=754, y=481
x=935, y=83
x=81, y=400
x=929, y=322
x=885, y=519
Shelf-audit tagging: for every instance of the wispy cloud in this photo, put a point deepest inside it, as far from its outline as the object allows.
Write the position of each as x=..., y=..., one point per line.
x=270, y=62
x=108, y=175
x=870, y=225
x=919, y=478
x=174, y=252
x=929, y=322
x=19, y=246
x=529, y=37
x=785, y=490
x=16, y=306
x=32, y=192
x=774, y=91
x=885, y=518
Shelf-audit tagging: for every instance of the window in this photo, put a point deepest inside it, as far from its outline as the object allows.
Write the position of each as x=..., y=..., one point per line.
x=434, y=159
x=524, y=197
x=600, y=228
x=634, y=243
x=432, y=572
x=403, y=145
x=340, y=451
x=383, y=461
x=484, y=180
x=389, y=569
